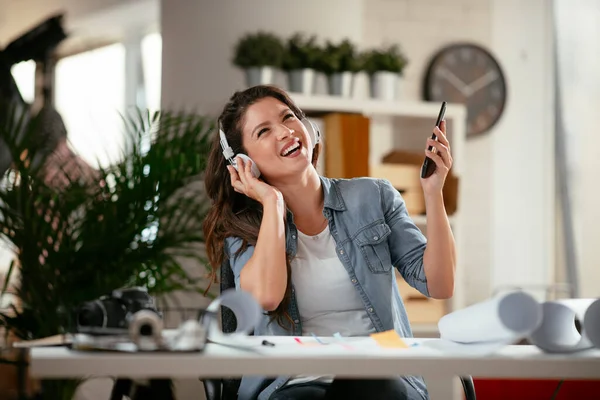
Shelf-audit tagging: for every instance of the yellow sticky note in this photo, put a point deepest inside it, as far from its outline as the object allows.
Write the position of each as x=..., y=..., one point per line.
x=389, y=339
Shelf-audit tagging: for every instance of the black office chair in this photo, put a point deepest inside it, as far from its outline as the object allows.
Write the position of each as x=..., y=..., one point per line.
x=227, y=388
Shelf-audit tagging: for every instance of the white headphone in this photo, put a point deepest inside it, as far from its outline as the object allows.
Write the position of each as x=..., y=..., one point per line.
x=313, y=131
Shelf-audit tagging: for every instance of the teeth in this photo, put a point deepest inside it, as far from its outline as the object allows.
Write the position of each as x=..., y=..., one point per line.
x=290, y=149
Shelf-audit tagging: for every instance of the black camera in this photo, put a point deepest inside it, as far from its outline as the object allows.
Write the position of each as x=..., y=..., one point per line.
x=112, y=314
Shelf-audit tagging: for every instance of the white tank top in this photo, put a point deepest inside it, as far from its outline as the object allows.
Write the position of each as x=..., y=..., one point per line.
x=327, y=300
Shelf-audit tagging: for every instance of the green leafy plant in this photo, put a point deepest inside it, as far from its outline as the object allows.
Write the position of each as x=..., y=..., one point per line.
x=259, y=49
x=134, y=224
x=389, y=59
x=301, y=52
x=337, y=57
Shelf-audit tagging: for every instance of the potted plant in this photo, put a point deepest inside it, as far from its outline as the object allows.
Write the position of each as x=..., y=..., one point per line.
x=133, y=223
x=384, y=67
x=259, y=55
x=339, y=62
x=299, y=61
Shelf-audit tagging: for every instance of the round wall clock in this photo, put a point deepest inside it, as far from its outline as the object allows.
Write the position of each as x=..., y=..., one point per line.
x=468, y=74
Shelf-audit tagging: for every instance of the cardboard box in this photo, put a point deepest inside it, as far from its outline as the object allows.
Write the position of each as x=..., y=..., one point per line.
x=450, y=190
x=405, y=178
x=420, y=309
x=402, y=176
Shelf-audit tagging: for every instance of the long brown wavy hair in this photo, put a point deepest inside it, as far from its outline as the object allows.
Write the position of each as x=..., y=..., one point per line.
x=234, y=214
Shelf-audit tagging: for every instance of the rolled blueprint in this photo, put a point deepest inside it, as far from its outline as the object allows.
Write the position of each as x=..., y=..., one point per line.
x=246, y=309
x=145, y=330
x=503, y=319
x=591, y=323
x=558, y=331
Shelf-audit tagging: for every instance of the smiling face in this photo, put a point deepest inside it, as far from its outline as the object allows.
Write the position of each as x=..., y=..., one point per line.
x=276, y=140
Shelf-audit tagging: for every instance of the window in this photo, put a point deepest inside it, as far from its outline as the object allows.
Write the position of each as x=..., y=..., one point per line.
x=24, y=75
x=90, y=96
x=152, y=64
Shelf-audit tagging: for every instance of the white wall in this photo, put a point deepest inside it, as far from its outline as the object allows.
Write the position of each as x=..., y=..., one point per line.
x=589, y=56
x=199, y=36
x=579, y=63
x=522, y=229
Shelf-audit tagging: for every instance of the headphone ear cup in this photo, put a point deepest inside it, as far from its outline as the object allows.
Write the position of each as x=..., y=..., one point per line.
x=313, y=131
x=253, y=167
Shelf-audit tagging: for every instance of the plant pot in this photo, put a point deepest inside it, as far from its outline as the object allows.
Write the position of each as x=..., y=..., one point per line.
x=301, y=81
x=384, y=85
x=340, y=84
x=259, y=76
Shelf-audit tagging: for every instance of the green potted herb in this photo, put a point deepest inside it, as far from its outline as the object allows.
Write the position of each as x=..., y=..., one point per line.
x=384, y=67
x=339, y=62
x=299, y=61
x=259, y=55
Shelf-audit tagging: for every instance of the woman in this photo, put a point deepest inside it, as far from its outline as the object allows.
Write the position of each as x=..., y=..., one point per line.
x=317, y=253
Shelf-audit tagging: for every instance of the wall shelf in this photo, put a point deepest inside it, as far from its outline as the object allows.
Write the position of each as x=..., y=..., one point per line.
x=389, y=113
x=373, y=107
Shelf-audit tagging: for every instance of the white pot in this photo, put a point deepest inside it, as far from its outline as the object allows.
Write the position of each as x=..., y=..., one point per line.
x=340, y=84
x=259, y=76
x=384, y=85
x=302, y=81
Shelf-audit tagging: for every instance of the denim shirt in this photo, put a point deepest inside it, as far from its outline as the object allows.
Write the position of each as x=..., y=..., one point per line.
x=373, y=232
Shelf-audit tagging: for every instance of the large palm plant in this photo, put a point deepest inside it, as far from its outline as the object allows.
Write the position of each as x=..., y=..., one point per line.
x=132, y=224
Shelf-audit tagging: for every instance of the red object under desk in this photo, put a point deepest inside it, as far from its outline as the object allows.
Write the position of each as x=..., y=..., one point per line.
x=527, y=389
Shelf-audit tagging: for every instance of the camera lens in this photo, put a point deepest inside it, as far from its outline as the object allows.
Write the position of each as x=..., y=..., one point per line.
x=146, y=330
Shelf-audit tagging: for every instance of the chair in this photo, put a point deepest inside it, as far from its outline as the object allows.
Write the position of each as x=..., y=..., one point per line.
x=227, y=388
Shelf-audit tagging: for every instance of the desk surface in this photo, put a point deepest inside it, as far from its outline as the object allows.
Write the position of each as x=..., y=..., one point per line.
x=360, y=357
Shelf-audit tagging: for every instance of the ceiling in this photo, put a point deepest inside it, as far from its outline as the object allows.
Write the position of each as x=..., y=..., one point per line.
x=87, y=22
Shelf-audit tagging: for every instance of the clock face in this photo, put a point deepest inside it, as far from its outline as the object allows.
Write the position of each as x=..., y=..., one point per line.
x=468, y=74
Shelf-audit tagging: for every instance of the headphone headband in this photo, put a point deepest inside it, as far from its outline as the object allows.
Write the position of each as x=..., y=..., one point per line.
x=227, y=150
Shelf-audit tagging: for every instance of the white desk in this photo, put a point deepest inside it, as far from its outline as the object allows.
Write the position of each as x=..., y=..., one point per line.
x=287, y=357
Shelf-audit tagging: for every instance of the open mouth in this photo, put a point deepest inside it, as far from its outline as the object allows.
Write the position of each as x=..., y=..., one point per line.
x=291, y=149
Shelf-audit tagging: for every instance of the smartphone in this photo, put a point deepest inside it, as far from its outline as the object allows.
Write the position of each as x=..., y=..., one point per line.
x=428, y=166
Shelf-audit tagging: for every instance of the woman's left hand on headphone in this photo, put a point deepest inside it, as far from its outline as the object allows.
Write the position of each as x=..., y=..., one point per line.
x=442, y=157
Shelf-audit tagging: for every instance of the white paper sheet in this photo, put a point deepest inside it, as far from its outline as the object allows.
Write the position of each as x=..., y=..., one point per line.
x=558, y=333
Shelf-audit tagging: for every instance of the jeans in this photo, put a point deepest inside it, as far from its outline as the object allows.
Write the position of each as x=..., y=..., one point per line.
x=349, y=389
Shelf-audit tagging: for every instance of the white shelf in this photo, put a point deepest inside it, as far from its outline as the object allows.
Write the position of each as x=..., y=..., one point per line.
x=380, y=108
x=372, y=107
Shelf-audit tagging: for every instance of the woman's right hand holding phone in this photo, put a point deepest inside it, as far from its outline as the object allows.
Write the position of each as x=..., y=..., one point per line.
x=244, y=182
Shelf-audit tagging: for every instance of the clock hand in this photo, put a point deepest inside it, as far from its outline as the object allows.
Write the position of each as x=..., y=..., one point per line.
x=481, y=82
x=454, y=80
